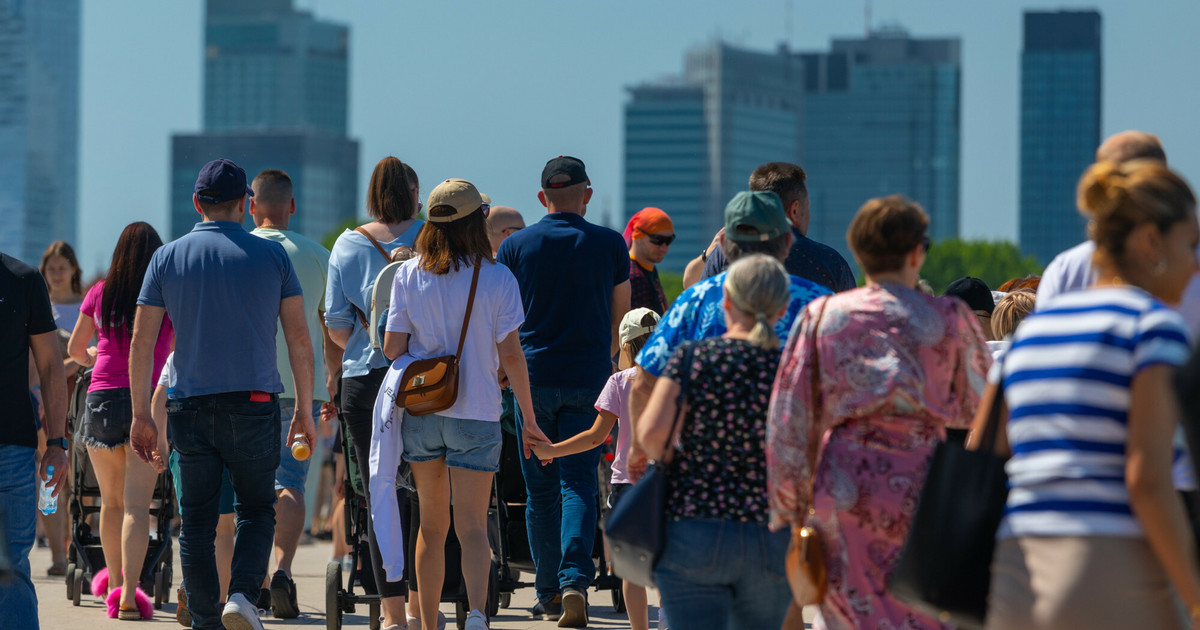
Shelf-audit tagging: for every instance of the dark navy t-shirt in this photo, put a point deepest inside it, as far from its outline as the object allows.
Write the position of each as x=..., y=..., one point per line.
x=566, y=269
x=24, y=312
x=222, y=287
x=806, y=259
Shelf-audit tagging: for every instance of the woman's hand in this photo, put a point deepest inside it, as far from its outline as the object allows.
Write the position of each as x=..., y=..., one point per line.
x=532, y=435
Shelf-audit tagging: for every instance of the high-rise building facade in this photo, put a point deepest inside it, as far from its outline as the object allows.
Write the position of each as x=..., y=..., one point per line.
x=39, y=125
x=276, y=86
x=1060, y=125
x=870, y=117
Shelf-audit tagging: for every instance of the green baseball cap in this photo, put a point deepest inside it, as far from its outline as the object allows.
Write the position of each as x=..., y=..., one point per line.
x=755, y=216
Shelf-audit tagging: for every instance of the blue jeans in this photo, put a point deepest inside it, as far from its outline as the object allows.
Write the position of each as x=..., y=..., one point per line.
x=292, y=472
x=723, y=574
x=561, y=510
x=212, y=434
x=18, y=503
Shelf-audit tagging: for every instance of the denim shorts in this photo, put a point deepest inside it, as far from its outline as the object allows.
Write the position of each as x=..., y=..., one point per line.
x=468, y=444
x=107, y=420
x=292, y=472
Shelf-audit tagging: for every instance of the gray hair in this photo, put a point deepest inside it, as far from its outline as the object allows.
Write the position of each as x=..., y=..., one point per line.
x=758, y=285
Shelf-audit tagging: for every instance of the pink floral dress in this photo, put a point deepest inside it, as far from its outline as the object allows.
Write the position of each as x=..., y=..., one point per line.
x=897, y=368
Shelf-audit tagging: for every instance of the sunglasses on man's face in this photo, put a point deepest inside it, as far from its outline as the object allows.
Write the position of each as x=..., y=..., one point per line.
x=660, y=240
x=926, y=244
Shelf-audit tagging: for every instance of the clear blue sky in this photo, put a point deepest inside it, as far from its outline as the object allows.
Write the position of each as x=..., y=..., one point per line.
x=488, y=91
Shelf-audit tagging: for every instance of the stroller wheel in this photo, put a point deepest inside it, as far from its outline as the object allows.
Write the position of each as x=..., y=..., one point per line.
x=505, y=600
x=618, y=599
x=493, y=592
x=333, y=595
x=77, y=591
x=160, y=590
x=70, y=580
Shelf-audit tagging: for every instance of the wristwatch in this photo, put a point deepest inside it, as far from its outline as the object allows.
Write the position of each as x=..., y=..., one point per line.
x=59, y=442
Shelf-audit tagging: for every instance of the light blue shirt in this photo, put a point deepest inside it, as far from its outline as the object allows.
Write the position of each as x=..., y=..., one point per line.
x=353, y=265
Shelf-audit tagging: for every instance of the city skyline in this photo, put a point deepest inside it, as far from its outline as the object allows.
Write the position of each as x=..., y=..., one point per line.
x=545, y=82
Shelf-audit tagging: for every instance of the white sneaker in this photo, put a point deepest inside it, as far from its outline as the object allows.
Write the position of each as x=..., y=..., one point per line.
x=475, y=621
x=414, y=623
x=240, y=614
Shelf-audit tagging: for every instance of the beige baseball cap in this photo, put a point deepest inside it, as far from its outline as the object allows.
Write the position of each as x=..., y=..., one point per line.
x=631, y=324
x=458, y=194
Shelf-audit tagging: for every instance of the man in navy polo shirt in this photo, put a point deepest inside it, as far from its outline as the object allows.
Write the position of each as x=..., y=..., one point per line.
x=574, y=281
x=224, y=290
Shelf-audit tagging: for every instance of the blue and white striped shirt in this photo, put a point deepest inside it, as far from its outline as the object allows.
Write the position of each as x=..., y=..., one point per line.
x=1067, y=384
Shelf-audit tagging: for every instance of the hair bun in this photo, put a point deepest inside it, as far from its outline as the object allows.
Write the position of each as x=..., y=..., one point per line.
x=1102, y=189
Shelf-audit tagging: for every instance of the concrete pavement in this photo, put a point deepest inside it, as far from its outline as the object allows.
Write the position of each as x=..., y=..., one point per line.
x=56, y=612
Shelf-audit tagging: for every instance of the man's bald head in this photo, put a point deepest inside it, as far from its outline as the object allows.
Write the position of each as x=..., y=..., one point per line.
x=502, y=221
x=1131, y=145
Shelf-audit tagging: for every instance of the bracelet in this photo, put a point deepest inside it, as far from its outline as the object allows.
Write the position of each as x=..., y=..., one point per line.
x=704, y=255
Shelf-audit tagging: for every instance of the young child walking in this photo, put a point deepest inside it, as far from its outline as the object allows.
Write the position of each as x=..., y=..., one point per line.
x=613, y=408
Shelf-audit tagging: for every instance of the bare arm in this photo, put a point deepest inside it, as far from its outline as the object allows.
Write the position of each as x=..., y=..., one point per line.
x=158, y=412
x=620, y=306
x=654, y=428
x=77, y=345
x=512, y=360
x=340, y=336
x=980, y=422
x=639, y=395
x=48, y=358
x=143, y=433
x=581, y=442
x=332, y=353
x=1153, y=415
x=300, y=357
x=394, y=344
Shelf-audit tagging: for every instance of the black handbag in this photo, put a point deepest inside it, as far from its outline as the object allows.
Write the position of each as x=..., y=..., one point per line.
x=636, y=529
x=945, y=569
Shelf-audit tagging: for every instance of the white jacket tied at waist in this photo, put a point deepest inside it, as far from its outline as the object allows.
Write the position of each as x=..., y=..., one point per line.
x=387, y=449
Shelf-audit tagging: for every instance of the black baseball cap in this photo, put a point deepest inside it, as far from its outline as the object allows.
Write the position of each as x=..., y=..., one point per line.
x=564, y=165
x=974, y=292
x=220, y=181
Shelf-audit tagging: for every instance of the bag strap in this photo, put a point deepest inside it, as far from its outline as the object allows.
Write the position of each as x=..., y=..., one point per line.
x=814, y=445
x=684, y=382
x=470, y=304
x=374, y=242
x=991, y=429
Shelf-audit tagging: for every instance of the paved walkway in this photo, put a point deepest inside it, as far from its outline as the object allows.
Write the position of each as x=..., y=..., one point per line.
x=58, y=613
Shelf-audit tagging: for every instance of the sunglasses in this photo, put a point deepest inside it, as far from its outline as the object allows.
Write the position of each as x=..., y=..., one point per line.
x=486, y=209
x=660, y=240
x=926, y=244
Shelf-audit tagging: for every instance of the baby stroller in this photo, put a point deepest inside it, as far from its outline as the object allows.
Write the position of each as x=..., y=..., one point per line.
x=85, y=557
x=340, y=596
x=513, y=537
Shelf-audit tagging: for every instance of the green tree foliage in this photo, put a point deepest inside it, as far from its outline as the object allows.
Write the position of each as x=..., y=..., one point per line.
x=672, y=284
x=331, y=237
x=994, y=262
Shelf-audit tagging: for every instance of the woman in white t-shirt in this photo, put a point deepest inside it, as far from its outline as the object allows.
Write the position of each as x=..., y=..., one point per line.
x=458, y=450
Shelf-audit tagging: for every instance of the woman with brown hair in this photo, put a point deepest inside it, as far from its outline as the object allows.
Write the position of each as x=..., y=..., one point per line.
x=64, y=280
x=357, y=257
x=457, y=450
x=1094, y=535
x=892, y=369
x=126, y=482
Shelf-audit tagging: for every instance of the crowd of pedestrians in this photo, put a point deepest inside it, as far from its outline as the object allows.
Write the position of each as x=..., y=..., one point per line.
x=774, y=390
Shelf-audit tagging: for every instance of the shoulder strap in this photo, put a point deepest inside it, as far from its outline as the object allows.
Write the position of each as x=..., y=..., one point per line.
x=685, y=380
x=814, y=433
x=374, y=242
x=470, y=304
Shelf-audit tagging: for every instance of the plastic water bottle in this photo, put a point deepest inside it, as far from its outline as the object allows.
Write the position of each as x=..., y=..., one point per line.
x=300, y=448
x=47, y=502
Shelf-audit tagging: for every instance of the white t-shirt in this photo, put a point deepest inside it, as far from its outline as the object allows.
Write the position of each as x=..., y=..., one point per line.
x=430, y=307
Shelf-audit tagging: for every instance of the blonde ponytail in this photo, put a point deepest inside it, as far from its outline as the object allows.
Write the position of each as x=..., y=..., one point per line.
x=758, y=285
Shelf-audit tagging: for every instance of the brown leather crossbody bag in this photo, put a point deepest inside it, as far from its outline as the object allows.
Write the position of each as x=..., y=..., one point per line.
x=431, y=385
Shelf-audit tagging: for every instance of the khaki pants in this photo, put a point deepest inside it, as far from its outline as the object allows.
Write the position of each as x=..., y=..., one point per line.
x=1084, y=582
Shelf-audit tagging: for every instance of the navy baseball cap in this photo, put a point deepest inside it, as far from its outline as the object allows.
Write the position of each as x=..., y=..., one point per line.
x=220, y=181
x=564, y=165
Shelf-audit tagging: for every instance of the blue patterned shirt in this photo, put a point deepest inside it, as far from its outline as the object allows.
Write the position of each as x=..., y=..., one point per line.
x=697, y=314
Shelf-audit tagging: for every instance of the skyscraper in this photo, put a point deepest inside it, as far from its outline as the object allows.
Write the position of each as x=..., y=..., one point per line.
x=870, y=117
x=275, y=96
x=39, y=125
x=1060, y=125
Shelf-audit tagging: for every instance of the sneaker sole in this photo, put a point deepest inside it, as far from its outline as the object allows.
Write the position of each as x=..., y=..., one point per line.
x=281, y=604
x=234, y=621
x=183, y=616
x=574, y=611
